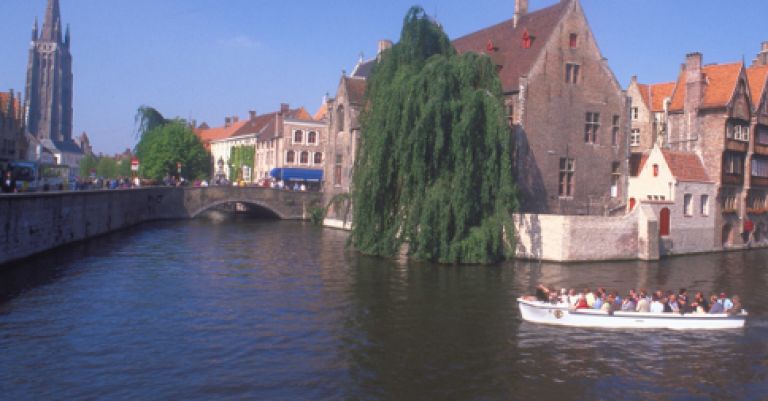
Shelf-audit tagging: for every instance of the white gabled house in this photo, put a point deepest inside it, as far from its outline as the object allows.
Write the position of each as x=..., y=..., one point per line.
x=676, y=186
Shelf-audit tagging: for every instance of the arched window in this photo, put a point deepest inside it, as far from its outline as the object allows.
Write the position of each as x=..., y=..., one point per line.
x=318, y=158
x=312, y=137
x=304, y=157
x=290, y=157
x=664, y=222
x=298, y=136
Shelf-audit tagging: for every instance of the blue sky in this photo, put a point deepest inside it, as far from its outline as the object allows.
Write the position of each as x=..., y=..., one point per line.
x=206, y=59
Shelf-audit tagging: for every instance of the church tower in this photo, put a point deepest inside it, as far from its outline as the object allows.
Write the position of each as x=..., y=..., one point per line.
x=49, y=83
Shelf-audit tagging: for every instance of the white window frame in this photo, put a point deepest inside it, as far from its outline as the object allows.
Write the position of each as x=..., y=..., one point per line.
x=317, y=138
x=315, y=155
x=635, y=137
x=688, y=205
x=704, y=205
x=293, y=137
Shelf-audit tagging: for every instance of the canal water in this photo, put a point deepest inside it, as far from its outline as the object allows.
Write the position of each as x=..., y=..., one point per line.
x=225, y=308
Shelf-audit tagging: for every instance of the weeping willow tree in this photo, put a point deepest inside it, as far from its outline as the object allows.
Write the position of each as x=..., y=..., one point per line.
x=434, y=167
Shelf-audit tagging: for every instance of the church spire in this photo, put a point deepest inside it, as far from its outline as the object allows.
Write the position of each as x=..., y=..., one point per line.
x=52, y=22
x=34, y=31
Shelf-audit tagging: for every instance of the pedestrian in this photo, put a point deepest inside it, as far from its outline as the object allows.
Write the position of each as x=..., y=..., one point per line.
x=8, y=183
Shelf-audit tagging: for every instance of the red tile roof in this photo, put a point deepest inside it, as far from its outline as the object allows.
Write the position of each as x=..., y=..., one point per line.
x=758, y=80
x=263, y=125
x=322, y=112
x=509, y=53
x=685, y=166
x=721, y=80
x=4, y=97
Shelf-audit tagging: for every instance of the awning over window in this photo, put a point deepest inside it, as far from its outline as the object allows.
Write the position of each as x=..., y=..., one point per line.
x=297, y=174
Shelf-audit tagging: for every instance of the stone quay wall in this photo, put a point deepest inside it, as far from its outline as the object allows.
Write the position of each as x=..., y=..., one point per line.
x=37, y=222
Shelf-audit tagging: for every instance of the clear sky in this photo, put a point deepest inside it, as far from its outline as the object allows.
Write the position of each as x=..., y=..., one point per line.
x=206, y=59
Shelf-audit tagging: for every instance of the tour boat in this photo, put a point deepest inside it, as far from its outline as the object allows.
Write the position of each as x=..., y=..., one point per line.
x=564, y=315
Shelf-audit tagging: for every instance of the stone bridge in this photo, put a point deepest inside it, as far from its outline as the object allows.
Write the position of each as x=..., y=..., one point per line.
x=37, y=222
x=286, y=205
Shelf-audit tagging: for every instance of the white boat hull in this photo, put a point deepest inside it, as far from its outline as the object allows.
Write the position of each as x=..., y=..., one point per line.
x=563, y=315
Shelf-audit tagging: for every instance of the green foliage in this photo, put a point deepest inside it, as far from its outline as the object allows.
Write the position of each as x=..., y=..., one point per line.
x=317, y=215
x=161, y=148
x=434, y=168
x=147, y=119
x=240, y=156
x=87, y=165
x=107, y=167
x=124, y=168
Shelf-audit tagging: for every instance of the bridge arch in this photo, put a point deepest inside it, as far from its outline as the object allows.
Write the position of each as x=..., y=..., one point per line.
x=262, y=205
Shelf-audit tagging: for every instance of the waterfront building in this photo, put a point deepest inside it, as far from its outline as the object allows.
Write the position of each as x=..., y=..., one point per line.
x=12, y=142
x=345, y=130
x=284, y=142
x=648, y=117
x=567, y=110
x=757, y=194
x=717, y=113
x=676, y=187
x=48, y=99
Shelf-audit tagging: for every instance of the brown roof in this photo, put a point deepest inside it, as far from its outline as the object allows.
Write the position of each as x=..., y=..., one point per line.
x=686, y=166
x=260, y=125
x=758, y=80
x=721, y=80
x=356, y=90
x=213, y=134
x=506, y=40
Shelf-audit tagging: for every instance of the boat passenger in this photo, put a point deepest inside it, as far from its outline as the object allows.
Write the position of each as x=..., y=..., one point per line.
x=672, y=305
x=608, y=304
x=542, y=293
x=643, y=304
x=628, y=305
x=683, y=295
x=715, y=306
x=599, y=301
x=656, y=305
x=683, y=306
x=700, y=303
x=572, y=297
x=581, y=303
x=590, y=297
x=727, y=303
x=736, y=309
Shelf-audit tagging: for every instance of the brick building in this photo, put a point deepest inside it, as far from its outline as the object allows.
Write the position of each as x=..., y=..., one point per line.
x=648, y=116
x=568, y=111
x=12, y=143
x=718, y=111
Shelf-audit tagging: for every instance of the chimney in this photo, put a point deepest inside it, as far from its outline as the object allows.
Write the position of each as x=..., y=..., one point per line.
x=284, y=108
x=227, y=122
x=694, y=94
x=521, y=8
x=383, y=45
x=252, y=115
x=762, y=57
x=633, y=80
x=235, y=119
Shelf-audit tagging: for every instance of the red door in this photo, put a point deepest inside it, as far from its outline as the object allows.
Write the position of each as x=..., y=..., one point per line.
x=664, y=222
x=632, y=202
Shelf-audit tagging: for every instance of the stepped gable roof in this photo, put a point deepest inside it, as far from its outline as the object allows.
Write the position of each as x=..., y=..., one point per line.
x=4, y=99
x=758, y=80
x=356, y=88
x=654, y=95
x=506, y=40
x=720, y=85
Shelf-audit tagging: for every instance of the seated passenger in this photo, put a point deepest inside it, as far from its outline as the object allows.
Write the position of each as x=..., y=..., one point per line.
x=542, y=293
x=656, y=305
x=736, y=309
x=628, y=305
x=581, y=303
x=590, y=297
x=671, y=305
x=700, y=303
x=643, y=304
x=608, y=304
x=715, y=307
x=727, y=303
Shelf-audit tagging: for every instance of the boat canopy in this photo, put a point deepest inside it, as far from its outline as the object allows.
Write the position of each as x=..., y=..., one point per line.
x=297, y=174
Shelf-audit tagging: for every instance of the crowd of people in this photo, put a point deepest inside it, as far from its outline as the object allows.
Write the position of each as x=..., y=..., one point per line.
x=641, y=301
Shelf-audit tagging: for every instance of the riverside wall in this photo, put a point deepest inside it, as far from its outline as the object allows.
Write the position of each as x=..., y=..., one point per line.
x=37, y=222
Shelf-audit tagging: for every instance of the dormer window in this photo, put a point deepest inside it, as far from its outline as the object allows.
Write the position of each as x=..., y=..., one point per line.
x=655, y=170
x=527, y=40
x=573, y=41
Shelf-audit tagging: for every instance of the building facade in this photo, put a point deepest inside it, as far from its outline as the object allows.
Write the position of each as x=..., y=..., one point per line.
x=648, y=117
x=676, y=187
x=12, y=143
x=568, y=111
x=48, y=99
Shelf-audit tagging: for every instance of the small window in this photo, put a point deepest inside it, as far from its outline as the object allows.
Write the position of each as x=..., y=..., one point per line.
x=615, y=131
x=527, y=40
x=635, y=113
x=572, y=73
x=591, y=127
x=318, y=158
x=615, y=179
x=567, y=168
x=290, y=157
x=705, y=205
x=298, y=136
x=688, y=205
x=304, y=157
x=655, y=170
x=312, y=137
x=635, y=140
x=573, y=41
